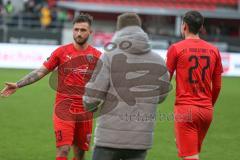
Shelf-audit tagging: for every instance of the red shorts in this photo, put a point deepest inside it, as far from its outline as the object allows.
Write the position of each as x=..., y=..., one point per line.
x=191, y=126
x=69, y=133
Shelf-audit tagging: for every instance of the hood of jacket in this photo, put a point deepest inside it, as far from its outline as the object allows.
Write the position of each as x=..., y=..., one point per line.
x=132, y=40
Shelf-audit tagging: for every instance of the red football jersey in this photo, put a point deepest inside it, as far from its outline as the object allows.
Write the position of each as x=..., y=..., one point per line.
x=195, y=62
x=74, y=69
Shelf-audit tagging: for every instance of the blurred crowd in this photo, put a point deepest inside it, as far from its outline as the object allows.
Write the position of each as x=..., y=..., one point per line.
x=43, y=13
x=40, y=12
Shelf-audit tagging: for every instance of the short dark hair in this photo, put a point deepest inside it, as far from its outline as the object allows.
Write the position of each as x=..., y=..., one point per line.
x=83, y=17
x=194, y=20
x=128, y=19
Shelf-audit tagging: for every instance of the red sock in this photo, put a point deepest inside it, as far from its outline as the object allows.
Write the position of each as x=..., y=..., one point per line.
x=61, y=158
x=190, y=159
x=74, y=159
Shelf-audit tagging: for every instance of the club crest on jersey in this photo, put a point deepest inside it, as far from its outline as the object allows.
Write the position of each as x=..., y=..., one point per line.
x=90, y=58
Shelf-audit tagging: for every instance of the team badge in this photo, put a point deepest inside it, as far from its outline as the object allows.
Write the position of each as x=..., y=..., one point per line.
x=90, y=58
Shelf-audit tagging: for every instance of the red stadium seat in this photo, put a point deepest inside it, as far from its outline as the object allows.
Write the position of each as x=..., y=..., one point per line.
x=181, y=4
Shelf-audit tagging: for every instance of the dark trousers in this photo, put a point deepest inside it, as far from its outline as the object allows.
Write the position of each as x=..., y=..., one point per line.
x=104, y=153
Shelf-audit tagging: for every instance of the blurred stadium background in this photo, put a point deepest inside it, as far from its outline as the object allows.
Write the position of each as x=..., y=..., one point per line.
x=31, y=29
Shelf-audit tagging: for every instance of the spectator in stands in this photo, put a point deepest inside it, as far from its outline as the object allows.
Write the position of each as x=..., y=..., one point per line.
x=29, y=6
x=9, y=9
x=62, y=16
x=46, y=17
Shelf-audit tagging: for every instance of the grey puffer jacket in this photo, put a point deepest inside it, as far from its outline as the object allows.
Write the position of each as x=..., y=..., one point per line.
x=127, y=75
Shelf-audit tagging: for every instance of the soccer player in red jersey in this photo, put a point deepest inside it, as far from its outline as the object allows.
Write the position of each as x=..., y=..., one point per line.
x=75, y=63
x=198, y=82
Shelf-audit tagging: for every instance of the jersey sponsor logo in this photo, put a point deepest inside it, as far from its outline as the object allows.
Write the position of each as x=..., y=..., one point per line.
x=82, y=70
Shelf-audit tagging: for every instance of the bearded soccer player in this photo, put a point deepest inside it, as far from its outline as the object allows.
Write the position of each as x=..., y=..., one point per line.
x=198, y=82
x=75, y=62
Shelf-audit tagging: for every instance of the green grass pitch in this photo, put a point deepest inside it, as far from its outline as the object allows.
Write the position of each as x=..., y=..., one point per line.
x=26, y=124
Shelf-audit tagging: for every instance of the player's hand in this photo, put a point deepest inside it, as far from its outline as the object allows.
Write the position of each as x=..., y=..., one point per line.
x=9, y=89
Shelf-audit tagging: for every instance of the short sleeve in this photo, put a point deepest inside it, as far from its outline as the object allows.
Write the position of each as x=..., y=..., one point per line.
x=171, y=59
x=53, y=61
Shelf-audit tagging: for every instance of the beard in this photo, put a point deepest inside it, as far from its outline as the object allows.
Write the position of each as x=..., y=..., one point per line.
x=80, y=41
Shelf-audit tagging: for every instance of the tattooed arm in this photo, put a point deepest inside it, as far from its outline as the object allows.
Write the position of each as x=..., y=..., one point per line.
x=32, y=77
